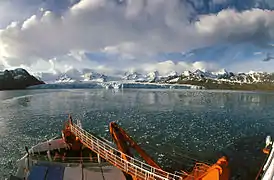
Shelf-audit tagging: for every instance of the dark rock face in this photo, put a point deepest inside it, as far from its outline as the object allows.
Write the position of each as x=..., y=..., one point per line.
x=17, y=79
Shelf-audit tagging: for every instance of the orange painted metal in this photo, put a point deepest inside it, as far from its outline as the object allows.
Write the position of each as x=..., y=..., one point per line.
x=266, y=150
x=124, y=142
x=201, y=171
x=218, y=171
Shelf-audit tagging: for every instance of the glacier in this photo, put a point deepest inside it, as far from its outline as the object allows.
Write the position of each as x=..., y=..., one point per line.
x=88, y=78
x=114, y=85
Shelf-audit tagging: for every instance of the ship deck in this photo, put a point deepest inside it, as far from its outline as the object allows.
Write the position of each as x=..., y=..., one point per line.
x=81, y=155
x=58, y=172
x=54, y=160
x=55, y=172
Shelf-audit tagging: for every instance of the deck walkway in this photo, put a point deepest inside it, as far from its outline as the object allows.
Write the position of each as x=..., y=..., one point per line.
x=133, y=167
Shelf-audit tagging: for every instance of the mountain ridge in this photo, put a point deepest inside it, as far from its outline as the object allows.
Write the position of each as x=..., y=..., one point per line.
x=17, y=79
x=221, y=79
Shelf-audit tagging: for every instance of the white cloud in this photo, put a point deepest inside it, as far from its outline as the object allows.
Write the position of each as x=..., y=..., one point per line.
x=168, y=66
x=270, y=3
x=134, y=28
x=256, y=65
x=254, y=25
x=124, y=48
x=16, y=10
x=219, y=1
x=257, y=53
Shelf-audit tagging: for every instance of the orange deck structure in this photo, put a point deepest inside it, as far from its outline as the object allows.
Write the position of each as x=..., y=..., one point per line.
x=133, y=168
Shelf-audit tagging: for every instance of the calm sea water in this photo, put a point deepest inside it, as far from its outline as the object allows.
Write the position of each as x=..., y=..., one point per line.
x=176, y=127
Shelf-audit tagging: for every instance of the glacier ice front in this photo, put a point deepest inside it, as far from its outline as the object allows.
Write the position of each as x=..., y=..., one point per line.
x=114, y=85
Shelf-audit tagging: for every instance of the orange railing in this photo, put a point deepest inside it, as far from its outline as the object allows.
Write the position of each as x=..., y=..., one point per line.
x=134, y=167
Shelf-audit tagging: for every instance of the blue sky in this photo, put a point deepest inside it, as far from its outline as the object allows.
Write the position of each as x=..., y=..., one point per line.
x=144, y=35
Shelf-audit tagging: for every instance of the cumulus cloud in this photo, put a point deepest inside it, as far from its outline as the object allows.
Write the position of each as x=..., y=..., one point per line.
x=219, y=1
x=11, y=11
x=254, y=25
x=168, y=66
x=133, y=28
x=252, y=65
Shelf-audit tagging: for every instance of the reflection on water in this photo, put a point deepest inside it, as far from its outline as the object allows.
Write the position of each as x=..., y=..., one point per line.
x=173, y=123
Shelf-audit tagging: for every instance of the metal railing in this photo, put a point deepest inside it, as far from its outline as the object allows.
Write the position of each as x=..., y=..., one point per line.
x=131, y=166
x=69, y=162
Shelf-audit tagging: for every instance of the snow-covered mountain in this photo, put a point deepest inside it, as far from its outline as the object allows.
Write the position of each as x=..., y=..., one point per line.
x=74, y=75
x=134, y=76
x=64, y=78
x=93, y=76
x=153, y=76
x=225, y=76
x=17, y=79
x=186, y=77
x=200, y=75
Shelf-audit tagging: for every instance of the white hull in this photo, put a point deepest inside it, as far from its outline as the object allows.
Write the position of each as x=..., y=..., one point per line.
x=71, y=170
x=268, y=168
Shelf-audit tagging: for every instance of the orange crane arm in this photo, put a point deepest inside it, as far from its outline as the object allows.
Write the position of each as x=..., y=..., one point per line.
x=217, y=171
x=124, y=142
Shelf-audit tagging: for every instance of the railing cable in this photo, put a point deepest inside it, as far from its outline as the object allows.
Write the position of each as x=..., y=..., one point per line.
x=133, y=166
